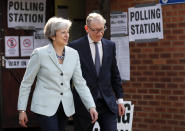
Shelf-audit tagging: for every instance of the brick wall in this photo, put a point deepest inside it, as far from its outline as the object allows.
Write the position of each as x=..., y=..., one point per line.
x=157, y=85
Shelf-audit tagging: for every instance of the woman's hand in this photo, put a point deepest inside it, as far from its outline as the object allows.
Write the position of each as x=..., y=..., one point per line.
x=94, y=114
x=23, y=119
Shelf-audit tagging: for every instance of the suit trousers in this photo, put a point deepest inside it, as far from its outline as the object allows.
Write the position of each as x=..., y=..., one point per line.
x=106, y=119
x=57, y=122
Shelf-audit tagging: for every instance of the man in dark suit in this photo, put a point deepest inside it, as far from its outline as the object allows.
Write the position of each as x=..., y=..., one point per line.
x=99, y=68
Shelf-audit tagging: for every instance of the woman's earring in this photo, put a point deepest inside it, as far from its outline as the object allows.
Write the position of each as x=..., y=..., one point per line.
x=53, y=39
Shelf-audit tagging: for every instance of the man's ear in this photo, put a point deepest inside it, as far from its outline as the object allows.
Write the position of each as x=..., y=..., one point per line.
x=86, y=28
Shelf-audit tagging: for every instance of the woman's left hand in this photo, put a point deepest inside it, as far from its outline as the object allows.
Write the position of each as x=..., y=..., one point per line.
x=94, y=114
x=23, y=119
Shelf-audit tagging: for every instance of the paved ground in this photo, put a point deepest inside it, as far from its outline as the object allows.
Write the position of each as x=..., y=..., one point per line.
x=68, y=128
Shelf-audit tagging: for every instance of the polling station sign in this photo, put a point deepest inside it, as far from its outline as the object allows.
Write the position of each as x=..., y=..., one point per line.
x=145, y=23
x=26, y=13
x=123, y=123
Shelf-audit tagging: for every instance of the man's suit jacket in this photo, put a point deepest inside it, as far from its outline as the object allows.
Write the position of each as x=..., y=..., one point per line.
x=53, y=82
x=108, y=81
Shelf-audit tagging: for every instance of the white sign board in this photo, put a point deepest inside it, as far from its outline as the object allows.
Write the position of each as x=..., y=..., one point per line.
x=123, y=56
x=11, y=46
x=26, y=13
x=124, y=123
x=16, y=63
x=118, y=23
x=26, y=45
x=145, y=23
x=39, y=39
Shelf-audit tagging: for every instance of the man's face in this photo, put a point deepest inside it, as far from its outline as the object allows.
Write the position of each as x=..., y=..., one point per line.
x=96, y=30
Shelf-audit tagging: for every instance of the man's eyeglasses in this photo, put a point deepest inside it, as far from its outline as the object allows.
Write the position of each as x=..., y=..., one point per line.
x=98, y=30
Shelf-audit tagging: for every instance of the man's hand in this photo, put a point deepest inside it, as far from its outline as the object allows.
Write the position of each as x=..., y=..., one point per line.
x=121, y=109
x=23, y=119
x=94, y=114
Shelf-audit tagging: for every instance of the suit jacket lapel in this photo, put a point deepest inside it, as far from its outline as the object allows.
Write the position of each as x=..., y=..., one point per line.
x=88, y=56
x=104, y=48
x=53, y=57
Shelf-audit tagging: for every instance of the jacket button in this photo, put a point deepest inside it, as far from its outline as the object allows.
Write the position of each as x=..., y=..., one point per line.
x=61, y=93
x=61, y=74
x=62, y=84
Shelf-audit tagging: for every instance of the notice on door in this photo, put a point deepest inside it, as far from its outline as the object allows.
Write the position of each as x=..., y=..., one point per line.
x=26, y=45
x=16, y=63
x=11, y=46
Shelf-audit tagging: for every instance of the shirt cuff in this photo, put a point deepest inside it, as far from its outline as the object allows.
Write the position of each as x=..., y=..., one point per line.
x=120, y=101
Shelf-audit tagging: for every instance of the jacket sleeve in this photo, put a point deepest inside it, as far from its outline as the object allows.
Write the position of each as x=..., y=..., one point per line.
x=28, y=79
x=81, y=87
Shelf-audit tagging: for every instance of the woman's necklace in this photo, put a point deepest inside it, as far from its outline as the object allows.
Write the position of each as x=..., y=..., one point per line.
x=62, y=56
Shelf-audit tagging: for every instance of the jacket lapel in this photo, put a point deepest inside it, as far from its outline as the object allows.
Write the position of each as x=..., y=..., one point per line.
x=88, y=56
x=53, y=57
x=104, y=48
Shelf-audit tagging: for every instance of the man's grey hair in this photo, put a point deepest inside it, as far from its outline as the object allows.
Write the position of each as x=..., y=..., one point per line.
x=94, y=17
x=54, y=24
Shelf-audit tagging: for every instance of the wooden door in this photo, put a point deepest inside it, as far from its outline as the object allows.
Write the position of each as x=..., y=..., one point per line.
x=10, y=79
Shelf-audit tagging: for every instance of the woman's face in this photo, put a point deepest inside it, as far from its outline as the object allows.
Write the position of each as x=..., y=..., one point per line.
x=62, y=37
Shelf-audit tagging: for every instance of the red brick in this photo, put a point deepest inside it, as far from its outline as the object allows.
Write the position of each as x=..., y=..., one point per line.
x=144, y=67
x=178, y=104
x=160, y=85
x=172, y=110
x=148, y=109
x=172, y=85
x=178, y=79
x=166, y=92
x=172, y=25
x=137, y=97
x=135, y=62
x=181, y=24
x=172, y=61
x=142, y=91
x=173, y=98
x=178, y=43
x=154, y=103
x=153, y=56
x=160, y=109
x=166, y=116
x=172, y=122
x=159, y=73
x=147, y=62
x=178, y=31
x=160, y=97
x=148, y=97
x=148, y=85
x=178, y=55
x=179, y=128
x=178, y=92
x=142, y=102
x=142, y=114
x=179, y=117
x=165, y=79
x=182, y=61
